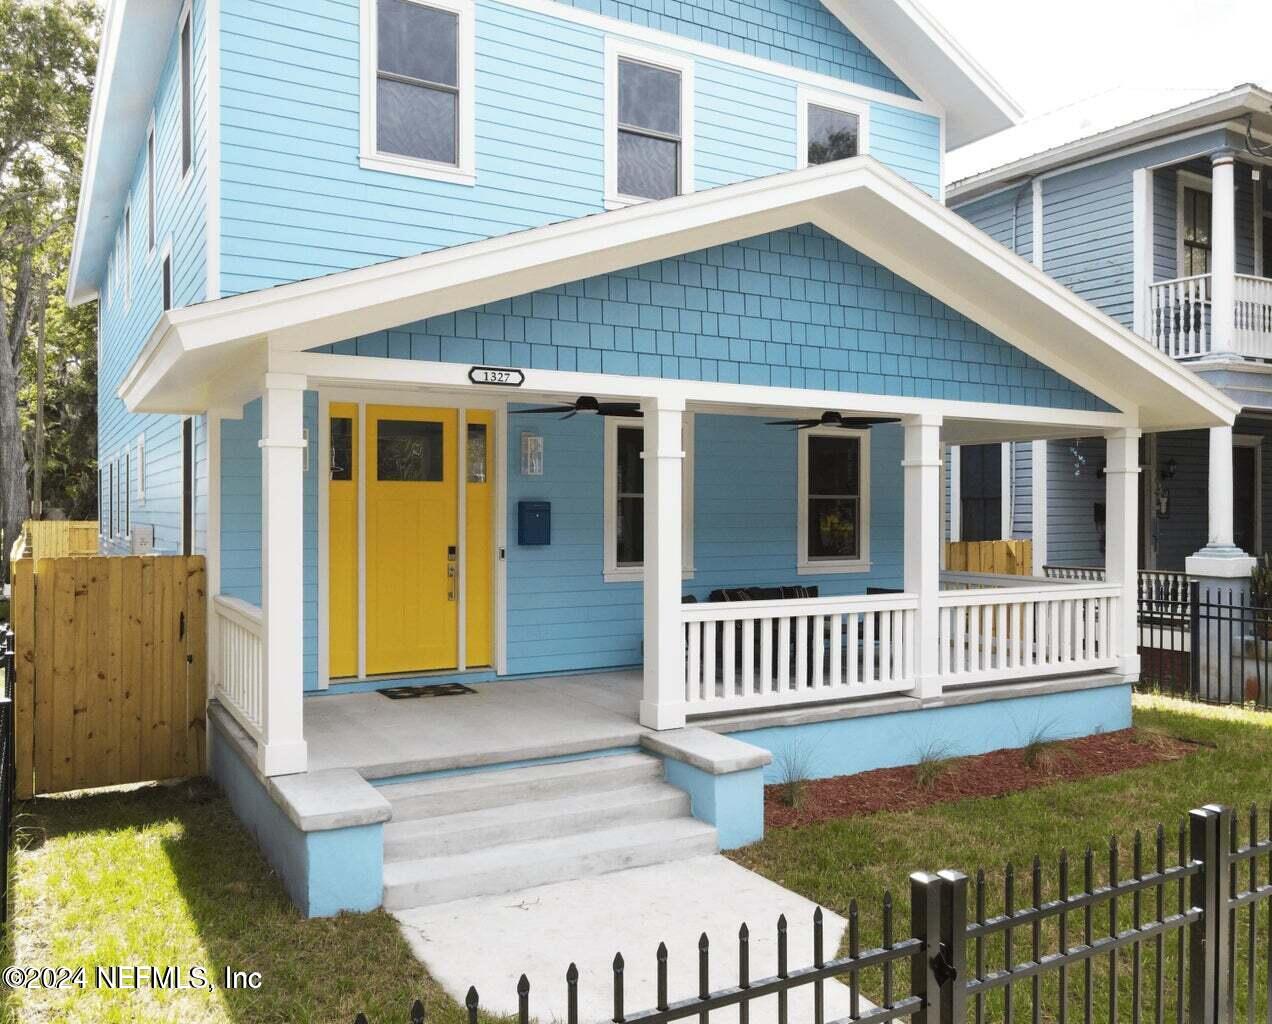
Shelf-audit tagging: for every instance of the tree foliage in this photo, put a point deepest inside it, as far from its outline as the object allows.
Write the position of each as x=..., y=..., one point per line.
x=47, y=64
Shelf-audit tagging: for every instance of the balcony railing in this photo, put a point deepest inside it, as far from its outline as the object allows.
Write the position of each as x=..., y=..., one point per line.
x=1180, y=316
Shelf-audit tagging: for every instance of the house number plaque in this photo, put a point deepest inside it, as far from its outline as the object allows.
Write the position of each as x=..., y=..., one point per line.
x=500, y=375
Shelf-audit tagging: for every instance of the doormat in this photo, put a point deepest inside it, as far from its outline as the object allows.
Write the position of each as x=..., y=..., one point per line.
x=437, y=690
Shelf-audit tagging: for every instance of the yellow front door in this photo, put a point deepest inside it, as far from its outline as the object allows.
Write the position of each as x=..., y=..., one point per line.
x=412, y=539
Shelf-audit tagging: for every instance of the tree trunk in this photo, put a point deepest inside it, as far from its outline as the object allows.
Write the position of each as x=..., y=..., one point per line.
x=37, y=454
x=14, y=501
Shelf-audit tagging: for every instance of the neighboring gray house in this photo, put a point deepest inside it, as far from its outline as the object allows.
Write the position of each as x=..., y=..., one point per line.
x=1165, y=224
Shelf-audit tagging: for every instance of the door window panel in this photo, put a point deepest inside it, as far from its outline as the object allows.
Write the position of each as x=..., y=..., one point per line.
x=477, y=453
x=409, y=450
x=341, y=448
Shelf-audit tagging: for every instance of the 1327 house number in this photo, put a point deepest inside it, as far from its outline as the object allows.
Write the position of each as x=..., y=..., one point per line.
x=496, y=375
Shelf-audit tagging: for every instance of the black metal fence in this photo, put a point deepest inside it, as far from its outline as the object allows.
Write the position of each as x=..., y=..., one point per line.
x=1178, y=932
x=7, y=769
x=1212, y=647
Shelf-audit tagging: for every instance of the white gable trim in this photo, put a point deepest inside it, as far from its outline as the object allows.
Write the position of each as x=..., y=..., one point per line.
x=859, y=201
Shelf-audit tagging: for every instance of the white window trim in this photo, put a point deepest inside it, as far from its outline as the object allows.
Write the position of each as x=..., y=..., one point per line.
x=678, y=62
x=465, y=173
x=1185, y=180
x=1254, y=441
x=141, y=470
x=613, y=572
x=188, y=173
x=806, y=566
x=834, y=101
x=152, y=172
x=125, y=504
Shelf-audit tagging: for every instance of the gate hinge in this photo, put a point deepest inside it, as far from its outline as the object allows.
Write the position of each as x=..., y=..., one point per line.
x=943, y=966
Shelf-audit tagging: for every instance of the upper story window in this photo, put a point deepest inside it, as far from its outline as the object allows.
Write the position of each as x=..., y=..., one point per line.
x=625, y=499
x=165, y=280
x=649, y=125
x=834, y=500
x=127, y=255
x=418, y=88
x=187, y=99
x=1194, y=225
x=830, y=127
x=150, y=189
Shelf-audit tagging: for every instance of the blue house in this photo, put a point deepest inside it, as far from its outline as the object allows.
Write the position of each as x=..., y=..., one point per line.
x=578, y=374
x=1161, y=218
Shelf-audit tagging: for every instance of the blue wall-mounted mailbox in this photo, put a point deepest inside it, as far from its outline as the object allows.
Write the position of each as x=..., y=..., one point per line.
x=534, y=523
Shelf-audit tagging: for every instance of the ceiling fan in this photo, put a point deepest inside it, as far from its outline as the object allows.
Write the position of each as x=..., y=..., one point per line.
x=587, y=403
x=835, y=419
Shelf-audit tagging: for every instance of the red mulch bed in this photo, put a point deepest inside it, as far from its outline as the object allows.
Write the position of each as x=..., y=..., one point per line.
x=994, y=774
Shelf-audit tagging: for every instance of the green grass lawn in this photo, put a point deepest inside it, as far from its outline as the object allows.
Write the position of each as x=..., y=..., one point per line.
x=836, y=862
x=167, y=876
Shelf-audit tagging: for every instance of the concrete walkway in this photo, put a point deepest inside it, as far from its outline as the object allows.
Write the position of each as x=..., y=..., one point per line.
x=491, y=940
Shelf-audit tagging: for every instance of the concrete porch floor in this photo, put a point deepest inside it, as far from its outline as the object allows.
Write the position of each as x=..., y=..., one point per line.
x=503, y=721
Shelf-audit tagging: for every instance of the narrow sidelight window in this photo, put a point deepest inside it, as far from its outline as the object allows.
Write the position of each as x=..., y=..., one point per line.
x=150, y=191
x=187, y=114
x=167, y=282
x=629, y=537
x=649, y=130
x=127, y=254
x=832, y=134
x=417, y=81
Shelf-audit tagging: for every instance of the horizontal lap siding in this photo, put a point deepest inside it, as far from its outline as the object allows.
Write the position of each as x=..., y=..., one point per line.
x=1182, y=531
x=1072, y=536
x=1089, y=238
x=790, y=309
x=1165, y=218
x=1007, y=217
x=296, y=204
x=125, y=326
x=1022, y=491
x=562, y=615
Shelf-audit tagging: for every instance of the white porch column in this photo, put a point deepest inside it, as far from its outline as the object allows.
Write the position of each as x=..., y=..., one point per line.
x=922, y=558
x=1121, y=484
x=1220, y=557
x=1223, y=252
x=663, y=703
x=283, y=750
x=1038, y=504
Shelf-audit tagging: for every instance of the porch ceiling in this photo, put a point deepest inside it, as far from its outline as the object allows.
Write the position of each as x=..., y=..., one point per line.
x=212, y=354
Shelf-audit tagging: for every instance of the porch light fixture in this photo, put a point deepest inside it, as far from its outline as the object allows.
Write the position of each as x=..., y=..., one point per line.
x=1168, y=469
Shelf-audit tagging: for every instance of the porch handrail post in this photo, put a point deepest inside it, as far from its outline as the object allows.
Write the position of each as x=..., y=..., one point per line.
x=922, y=557
x=282, y=749
x=1121, y=482
x=663, y=703
x=1223, y=252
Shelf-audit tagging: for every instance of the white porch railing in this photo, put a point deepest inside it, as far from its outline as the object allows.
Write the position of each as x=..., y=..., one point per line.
x=755, y=654
x=1252, y=326
x=999, y=635
x=240, y=665
x=1179, y=316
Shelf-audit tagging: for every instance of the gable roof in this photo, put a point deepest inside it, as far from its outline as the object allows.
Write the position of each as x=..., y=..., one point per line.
x=1099, y=126
x=195, y=354
x=136, y=35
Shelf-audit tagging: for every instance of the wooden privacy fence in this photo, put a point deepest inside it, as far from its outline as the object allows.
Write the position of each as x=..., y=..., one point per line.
x=57, y=539
x=111, y=670
x=1002, y=557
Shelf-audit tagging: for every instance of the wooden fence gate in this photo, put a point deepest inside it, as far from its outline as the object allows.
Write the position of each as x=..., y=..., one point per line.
x=111, y=670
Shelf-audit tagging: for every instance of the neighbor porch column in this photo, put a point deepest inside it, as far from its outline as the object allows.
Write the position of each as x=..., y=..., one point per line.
x=1223, y=251
x=1220, y=557
x=922, y=553
x=663, y=703
x=1038, y=506
x=1121, y=484
x=282, y=750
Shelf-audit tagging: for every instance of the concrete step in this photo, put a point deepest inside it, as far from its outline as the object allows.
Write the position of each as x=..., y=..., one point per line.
x=473, y=791
x=588, y=811
x=514, y=866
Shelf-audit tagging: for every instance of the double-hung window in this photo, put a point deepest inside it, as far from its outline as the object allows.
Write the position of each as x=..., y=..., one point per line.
x=834, y=500
x=1194, y=225
x=418, y=88
x=649, y=125
x=830, y=127
x=625, y=499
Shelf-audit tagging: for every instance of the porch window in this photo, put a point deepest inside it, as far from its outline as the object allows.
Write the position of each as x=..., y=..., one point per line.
x=418, y=88
x=980, y=492
x=648, y=125
x=625, y=500
x=834, y=500
x=1195, y=231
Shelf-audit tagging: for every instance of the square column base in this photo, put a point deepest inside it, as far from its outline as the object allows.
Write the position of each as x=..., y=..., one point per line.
x=282, y=758
x=1228, y=562
x=661, y=716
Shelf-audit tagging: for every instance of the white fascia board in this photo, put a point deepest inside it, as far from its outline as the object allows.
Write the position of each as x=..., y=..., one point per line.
x=918, y=49
x=135, y=39
x=859, y=201
x=1214, y=111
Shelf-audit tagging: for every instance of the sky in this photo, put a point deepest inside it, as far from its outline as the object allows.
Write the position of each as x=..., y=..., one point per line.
x=1047, y=55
